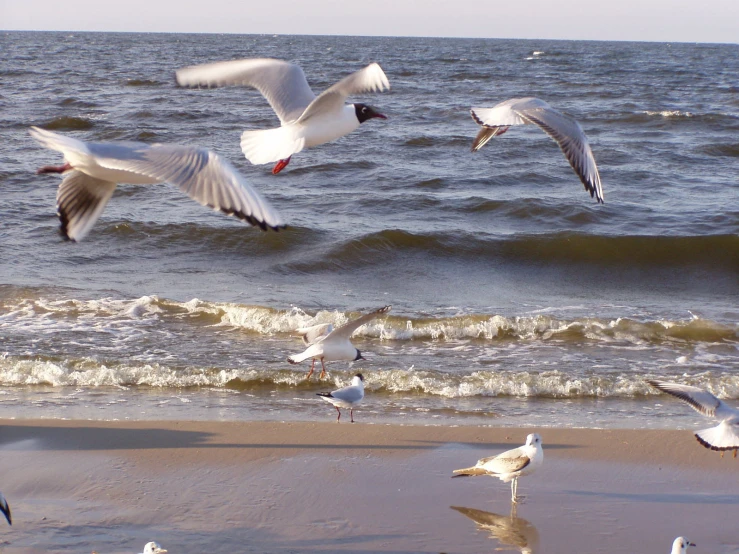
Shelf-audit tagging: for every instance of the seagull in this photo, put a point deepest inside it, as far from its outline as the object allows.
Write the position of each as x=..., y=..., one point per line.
x=153, y=548
x=306, y=119
x=329, y=345
x=563, y=129
x=508, y=530
x=5, y=509
x=510, y=465
x=680, y=545
x=92, y=170
x=346, y=397
x=725, y=436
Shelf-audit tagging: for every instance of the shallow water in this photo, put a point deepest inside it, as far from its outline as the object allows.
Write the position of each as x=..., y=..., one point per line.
x=512, y=290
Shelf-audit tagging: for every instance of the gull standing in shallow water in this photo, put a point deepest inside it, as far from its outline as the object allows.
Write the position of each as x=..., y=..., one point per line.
x=725, y=436
x=92, y=171
x=5, y=509
x=680, y=545
x=327, y=344
x=346, y=397
x=153, y=548
x=509, y=465
x=306, y=119
x=563, y=129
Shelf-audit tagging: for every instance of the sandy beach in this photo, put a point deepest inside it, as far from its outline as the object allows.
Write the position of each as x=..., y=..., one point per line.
x=109, y=487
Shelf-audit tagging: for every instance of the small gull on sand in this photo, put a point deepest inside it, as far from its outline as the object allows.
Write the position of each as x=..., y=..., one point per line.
x=306, y=119
x=346, y=397
x=509, y=465
x=563, y=129
x=725, y=436
x=5, y=509
x=92, y=171
x=329, y=344
x=680, y=545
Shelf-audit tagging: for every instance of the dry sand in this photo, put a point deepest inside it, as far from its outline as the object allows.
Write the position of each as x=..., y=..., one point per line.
x=79, y=486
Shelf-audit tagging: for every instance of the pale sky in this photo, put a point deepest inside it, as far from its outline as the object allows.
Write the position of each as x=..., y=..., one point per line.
x=651, y=20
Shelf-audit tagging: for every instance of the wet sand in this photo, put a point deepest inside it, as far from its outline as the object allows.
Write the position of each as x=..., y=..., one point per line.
x=79, y=486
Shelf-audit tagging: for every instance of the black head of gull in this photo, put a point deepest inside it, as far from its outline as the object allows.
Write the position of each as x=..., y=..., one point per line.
x=365, y=112
x=361, y=377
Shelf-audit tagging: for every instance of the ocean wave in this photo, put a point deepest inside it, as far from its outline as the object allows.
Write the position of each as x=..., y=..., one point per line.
x=44, y=315
x=487, y=383
x=67, y=123
x=142, y=83
x=566, y=248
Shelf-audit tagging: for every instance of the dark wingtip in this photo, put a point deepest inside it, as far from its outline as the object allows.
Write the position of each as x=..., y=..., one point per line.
x=715, y=448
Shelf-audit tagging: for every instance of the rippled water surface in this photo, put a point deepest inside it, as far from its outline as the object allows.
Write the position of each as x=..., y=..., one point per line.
x=516, y=298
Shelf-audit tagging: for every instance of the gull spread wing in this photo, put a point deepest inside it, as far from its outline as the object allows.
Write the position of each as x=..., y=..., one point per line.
x=369, y=79
x=725, y=436
x=314, y=333
x=5, y=509
x=283, y=84
x=700, y=400
x=201, y=174
x=73, y=149
x=346, y=330
x=80, y=200
x=563, y=129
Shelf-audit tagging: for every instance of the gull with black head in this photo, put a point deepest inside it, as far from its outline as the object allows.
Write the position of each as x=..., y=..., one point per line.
x=306, y=119
x=329, y=345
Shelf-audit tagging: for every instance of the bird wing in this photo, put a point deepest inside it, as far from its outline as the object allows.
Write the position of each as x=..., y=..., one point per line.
x=282, y=83
x=5, y=509
x=315, y=332
x=507, y=462
x=571, y=139
x=346, y=330
x=349, y=394
x=80, y=200
x=700, y=400
x=201, y=174
x=369, y=79
x=725, y=436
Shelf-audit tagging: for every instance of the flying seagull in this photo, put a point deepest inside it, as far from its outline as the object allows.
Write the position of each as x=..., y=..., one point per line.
x=329, y=345
x=5, y=509
x=92, y=170
x=563, y=129
x=153, y=548
x=680, y=545
x=306, y=119
x=346, y=397
x=725, y=436
x=510, y=465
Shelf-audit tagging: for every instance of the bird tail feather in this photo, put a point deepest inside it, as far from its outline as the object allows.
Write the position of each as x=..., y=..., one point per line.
x=271, y=145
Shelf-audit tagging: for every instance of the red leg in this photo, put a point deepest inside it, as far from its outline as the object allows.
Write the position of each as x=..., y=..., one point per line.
x=311, y=369
x=279, y=166
x=337, y=409
x=323, y=370
x=54, y=169
x=351, y=413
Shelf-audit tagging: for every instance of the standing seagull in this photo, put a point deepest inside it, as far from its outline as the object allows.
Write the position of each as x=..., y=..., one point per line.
x=725, y=436
x=329, y=345
x=5, y=509
x=92, y=171
x=563, y=129
x=306, y=119
x=346, y=397
x=510, y=465
x=680, y=545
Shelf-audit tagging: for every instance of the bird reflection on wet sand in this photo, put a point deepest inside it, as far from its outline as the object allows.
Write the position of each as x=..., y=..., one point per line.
x=509, y=530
